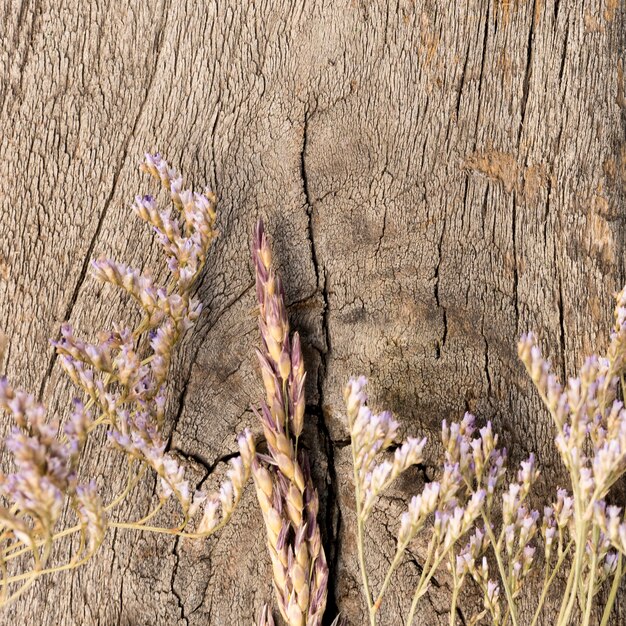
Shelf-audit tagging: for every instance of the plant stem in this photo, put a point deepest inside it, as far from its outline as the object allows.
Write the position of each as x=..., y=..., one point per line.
x=360, y=528
x=51, y=570
x=392, y=568
x=427, y=573
x=455, y=590
x=416, y=596
x=548, y=583
x=568, y=587
x=591, y=583
x=503, y=575
x=366, y=587
x=12, y=552
x=569, y=600
x=169, y=531
x=617, y=578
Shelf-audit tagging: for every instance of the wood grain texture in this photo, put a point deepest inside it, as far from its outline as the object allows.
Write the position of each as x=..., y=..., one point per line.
x=436, y=177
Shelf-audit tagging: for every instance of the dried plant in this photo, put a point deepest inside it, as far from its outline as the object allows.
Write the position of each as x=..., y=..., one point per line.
x=459, y=502
x=286, y=495
x=122, y=378
x=579, y=530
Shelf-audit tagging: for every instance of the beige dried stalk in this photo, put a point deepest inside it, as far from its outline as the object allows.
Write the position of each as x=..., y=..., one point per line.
x=286, y=494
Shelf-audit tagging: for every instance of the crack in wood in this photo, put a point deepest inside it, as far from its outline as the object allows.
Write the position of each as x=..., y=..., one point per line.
x=179, y=599
x=440, y=343
x=480, y=78
x=527, y=73
x=333, y=513
x=515, y=273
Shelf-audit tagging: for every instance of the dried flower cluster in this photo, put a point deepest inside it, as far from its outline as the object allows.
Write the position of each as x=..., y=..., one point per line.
x=122, y=377
x=286, y=495
x=590, y=424
x=579, y=529
x=447, y=509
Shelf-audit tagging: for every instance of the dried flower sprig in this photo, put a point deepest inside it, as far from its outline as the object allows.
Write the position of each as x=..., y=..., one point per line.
x=123, y=378
x=286, y=495
x=35, y=493
x=456, y=500
x=472, y=470
x=590, y=424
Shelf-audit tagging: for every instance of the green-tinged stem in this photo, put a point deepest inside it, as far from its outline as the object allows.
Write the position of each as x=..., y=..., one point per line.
x=152, y=513
x=130, y=485
x=568, y=587
x=503, y=575
x=416, y=596
x=544, y=589
x=170, y=531
x=392, y=568
x=40, y=561
x=138, y=525
x=617, y=578
x=455, y=590
x=571, y=591
x=570, y=594
x=427, y=573
x=14, y=551
x=366, y=586
x=102, y=419
x=432, y=551
x=548, y=582
x=51, y=570
x=360, y=541
x=591, y=583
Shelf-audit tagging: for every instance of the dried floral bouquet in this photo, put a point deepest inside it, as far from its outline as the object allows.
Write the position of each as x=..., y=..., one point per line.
x=476, y=518
x=122, y=380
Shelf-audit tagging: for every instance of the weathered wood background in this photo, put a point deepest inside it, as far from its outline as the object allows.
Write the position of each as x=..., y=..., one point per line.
x=437, y=177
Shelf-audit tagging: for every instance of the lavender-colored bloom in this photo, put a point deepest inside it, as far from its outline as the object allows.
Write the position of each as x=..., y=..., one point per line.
x=371, y=435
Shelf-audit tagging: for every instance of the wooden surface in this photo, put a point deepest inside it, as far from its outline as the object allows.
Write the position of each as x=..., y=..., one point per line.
x=437, y=177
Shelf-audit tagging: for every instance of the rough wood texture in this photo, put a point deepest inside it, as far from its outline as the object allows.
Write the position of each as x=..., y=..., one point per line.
x=436, y=176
